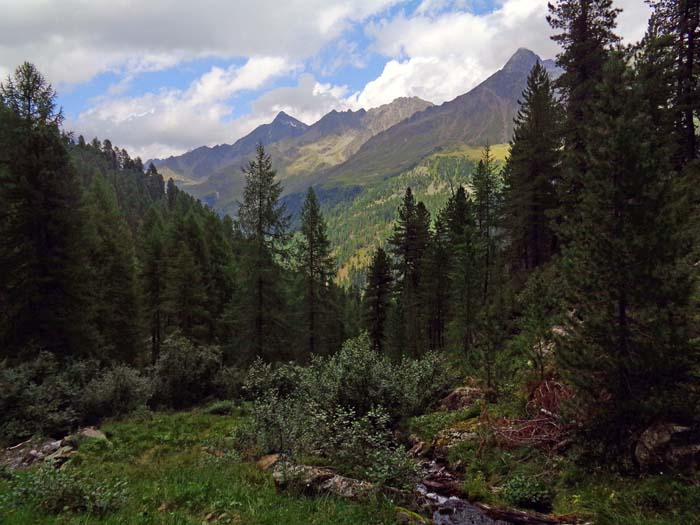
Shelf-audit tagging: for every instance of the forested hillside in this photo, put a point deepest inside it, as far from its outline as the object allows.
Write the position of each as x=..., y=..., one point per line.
x=513, y=338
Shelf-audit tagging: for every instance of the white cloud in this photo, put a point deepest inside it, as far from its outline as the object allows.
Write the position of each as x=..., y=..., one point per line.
x=439, y=55
x=172, y=120
x=71, y=41
x=308, y=101
x=437, y=52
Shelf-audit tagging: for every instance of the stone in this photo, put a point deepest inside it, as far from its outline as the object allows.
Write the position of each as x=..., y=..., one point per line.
x=91, y=433
x=448, y=438
x=408, y=517
x=267, y=462
x=668, y=445
x=462, y=397
x=319, y=480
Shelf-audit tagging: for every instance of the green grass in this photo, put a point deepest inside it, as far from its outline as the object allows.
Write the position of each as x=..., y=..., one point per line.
x=172, y=478
x=426, y=427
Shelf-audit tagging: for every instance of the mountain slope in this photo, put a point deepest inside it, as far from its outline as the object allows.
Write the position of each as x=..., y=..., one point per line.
x=199, y=163
x=483, y=115
x=299, y=159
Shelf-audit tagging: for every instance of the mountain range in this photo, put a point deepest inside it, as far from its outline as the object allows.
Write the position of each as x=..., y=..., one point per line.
x=351, y=155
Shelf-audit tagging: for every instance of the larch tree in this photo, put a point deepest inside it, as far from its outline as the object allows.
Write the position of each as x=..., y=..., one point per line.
x=44, y=275
x=264, y=222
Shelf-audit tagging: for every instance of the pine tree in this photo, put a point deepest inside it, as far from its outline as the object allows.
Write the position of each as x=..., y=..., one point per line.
x=317, y=268
x=185, y=294
x=377, y=298
x=626, y=349
x=264, y=222
x=531, y=173
x=43, y=265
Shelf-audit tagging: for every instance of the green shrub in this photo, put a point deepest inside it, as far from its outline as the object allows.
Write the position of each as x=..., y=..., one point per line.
x=229, y=381
x=427, y=426
x=185, y=373
x=528, y=493
x=342, y=408
x=476, y=489
x=116, y=391
x=55, y=491
x=42, y=396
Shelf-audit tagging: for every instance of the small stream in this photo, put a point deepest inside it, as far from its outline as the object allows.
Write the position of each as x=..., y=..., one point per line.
x=451, y=510
x=455, y=511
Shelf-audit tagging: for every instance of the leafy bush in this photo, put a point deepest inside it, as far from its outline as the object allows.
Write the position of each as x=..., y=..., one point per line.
x=56, y=491
x=117, y=391
x=528, y=493
x=229, y=382
x=357, y=377
x=476, y=489
x=185, y=373
x=42, y=396
x=342, y=408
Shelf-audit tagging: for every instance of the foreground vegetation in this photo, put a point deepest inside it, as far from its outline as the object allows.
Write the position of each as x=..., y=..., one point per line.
x=164, y=468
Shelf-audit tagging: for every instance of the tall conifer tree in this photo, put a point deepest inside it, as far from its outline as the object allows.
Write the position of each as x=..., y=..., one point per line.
x=317, y=267
x=531, y=173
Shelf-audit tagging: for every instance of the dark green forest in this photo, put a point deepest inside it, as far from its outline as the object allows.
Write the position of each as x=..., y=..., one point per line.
x=574, y=263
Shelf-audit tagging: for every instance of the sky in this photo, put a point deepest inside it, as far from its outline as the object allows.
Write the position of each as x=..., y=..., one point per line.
x=161, y=77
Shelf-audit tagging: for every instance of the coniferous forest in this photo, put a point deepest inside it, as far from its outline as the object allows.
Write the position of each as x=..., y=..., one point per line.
x=529, y=347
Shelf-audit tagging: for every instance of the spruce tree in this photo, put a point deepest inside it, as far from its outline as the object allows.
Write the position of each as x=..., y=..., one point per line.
x=677, y=23
x=531, y=174
x=628, y=281
x=317, y=267
x=586, y=36
x=409, y=245
x=465, y=277
x=487, y=205
x=377, y=298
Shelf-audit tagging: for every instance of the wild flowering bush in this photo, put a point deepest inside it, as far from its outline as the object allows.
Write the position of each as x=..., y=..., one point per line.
x=342, y=408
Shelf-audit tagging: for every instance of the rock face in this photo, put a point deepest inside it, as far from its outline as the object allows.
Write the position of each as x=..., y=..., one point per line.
x=668, y=445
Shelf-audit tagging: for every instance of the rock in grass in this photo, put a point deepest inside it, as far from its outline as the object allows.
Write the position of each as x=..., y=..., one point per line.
x=407, y=517
x=668, y=445
x=268, y=462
